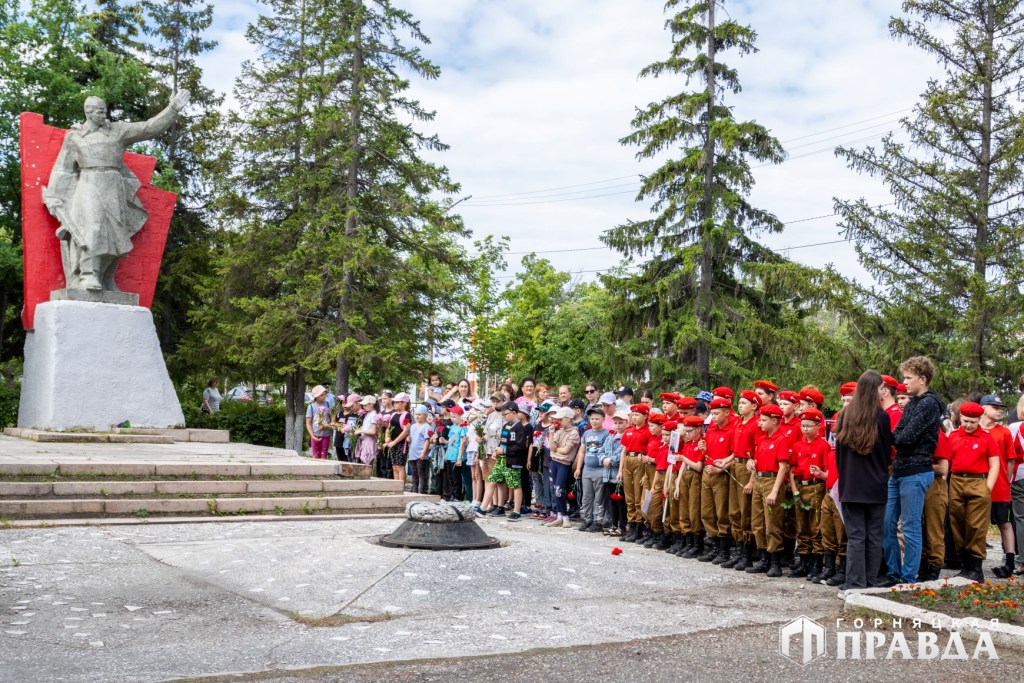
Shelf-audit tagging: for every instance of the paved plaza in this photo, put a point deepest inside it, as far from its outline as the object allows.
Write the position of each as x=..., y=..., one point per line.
x=297, y=600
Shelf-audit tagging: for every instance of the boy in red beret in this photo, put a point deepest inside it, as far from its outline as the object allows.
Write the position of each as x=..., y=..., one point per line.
x=655, y=465
x=715, y=489
x=634, y=447
x=769, y=465
x=687, y=482
x=744, y=441
x=974, y=471
x=810, y=453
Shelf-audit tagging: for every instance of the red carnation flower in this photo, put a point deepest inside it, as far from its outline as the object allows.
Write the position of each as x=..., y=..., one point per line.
x=537, y=433
x=571, y=496
x=616, y=496
x=616, y=551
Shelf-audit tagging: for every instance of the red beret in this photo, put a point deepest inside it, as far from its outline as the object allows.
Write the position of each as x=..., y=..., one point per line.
x=812, y=414
x=848, y=389
x=771, y=410
x=813, y=396
x=766, y=385
x=901, y=389
x=693, y=421
x=670, y=426
x=971, y=409
x=685, y=402
x=890, y=381
x=790, y=396
x=669, y=396
x=751, y=396
x=724, y=391
x=641, y=408
x=720, y=403
x=658, y=419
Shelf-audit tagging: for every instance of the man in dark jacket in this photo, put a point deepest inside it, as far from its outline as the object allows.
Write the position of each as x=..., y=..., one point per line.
x=915, y=438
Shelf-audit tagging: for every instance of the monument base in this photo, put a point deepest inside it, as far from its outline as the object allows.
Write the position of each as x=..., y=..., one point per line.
x=92, y=366
x=121, y=298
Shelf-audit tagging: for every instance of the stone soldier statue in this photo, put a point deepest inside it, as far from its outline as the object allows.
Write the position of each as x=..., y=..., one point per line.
x=91, y=192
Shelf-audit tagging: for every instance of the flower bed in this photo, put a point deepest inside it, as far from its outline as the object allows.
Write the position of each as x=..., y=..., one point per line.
x=1000, y=600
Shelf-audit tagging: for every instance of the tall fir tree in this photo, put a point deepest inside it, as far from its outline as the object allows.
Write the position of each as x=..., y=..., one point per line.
x=189, y=156
x=695, y=310
x=947, y=255
x=345, y=245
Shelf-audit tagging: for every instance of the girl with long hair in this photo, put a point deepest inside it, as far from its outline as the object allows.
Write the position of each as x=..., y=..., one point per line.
x=863, y=453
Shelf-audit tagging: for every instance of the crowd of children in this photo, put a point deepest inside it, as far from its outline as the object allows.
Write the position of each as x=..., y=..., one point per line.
x=743, y=479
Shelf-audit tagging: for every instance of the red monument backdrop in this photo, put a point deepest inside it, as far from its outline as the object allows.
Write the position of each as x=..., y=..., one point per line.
x=136, y=273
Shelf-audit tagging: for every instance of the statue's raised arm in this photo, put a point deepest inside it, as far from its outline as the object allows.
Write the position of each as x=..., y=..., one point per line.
x=92, y=193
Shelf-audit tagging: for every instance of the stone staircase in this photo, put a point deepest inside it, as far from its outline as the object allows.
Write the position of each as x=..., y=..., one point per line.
x=149, y=478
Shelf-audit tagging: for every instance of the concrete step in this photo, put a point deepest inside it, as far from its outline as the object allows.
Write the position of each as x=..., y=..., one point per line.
x=97, y=469
x=180, y=435
x=86, y=437
x=144, y=507
x=113, y=489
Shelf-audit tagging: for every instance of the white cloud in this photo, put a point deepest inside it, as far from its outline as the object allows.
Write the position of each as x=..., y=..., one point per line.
x=536, y=95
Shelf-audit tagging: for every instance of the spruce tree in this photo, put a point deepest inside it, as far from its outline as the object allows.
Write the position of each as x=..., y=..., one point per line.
x=947, y=255
x=344, y=246
x=695, y=309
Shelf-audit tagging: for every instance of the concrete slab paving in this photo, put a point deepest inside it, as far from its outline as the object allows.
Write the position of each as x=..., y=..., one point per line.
x=176, y=601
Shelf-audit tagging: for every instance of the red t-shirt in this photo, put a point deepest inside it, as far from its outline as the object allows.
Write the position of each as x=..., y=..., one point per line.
x=690, y=452
x=1004, y=445
x=658, y=449
x=791, y=428
x=771, y=450
x=942, y=447
x=806, y=453
x=718, y=441
x=831, y=472
x=634, y=439
x=745, y=437
x=971, y=451
x=894, y=415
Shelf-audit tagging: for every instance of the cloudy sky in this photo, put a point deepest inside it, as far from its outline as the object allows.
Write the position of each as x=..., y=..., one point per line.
x=535, y=94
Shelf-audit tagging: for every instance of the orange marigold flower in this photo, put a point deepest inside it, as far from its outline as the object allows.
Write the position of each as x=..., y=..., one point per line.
x=977, y=602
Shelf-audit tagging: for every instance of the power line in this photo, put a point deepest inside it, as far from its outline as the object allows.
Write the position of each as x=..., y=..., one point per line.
x=609, y=180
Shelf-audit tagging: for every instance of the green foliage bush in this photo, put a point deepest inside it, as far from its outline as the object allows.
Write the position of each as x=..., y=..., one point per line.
x=248, y=422
x=9, y=399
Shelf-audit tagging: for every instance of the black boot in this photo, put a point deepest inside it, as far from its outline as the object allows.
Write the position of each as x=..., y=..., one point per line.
x=828, y=569
x=747, y=558
x=799, y=569
x=642, y=533
x=775, y=569
x=972, y=570
x=711, y=552
x=723, y=551
x=652, y=540
x=1006, y=570
x=677, y=543
x=738, y=549
x=934, y=573
x=697, y=548
x=840, y=577
x=665, y=543
x=815, y=567
x=685, y=543
x=630, y=533
x=786, y=554
x=762, y=564
x=797, y=563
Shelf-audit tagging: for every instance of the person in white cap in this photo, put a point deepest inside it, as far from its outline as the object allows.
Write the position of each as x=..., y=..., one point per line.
x=396, y=435
x=318, y=423
x=609, y=404
x=366, y=445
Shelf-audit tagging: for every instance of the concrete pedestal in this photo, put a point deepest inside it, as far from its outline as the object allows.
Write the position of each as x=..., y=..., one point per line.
x=91, y=366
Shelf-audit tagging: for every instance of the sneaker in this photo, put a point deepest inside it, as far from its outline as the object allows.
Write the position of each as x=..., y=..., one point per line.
x=566, y=524
x=553, y=523
x=550, y=518
x=496, y=512
x=514, y=517
x=585, y=527
x=509, y=506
